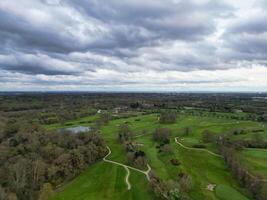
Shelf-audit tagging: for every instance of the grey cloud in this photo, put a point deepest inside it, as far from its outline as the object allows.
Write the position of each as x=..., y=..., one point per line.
x=123, y=24
x=247, y=38
x=74, y=38
x=253, y=25
x=167, y=19
x=36, y=64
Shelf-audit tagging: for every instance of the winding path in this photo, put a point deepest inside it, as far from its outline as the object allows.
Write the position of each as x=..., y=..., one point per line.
x=127, y=167
x=196, y=149
x=127, y=178
x=214, y=154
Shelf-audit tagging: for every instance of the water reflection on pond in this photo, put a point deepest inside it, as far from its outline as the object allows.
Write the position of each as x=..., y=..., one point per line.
x=75, y=130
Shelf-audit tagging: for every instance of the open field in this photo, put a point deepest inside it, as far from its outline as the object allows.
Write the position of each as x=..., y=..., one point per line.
x=104, y=180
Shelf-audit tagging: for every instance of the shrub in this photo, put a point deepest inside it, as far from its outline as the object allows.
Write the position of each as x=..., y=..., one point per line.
x=175, y=162
x=199, y=146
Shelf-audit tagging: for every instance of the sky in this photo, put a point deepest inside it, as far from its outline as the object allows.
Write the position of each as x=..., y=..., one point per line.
x=133, y=45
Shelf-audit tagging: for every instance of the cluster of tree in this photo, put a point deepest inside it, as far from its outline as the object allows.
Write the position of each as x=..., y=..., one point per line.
x=168, y=117
x=162, y=136
x=32, y=158
x=253, y=183
x=224, y=115
x=135, y=156
x=176, y=189
x=103, y=119
x=187, y=131
x=125, y=133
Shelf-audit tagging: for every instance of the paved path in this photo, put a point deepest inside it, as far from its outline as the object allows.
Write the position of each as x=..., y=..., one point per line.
x=127, y=167
x=127, y=178
x=196, y=149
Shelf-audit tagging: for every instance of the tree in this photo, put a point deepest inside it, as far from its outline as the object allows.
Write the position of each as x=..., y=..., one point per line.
x=125, y=134
x=167, y=117
x=3, y=194
x=158, y=186
x=187, y=131
x=104, y=118
x=162, y=135
x=263, y=193
x=19, y=177
x=11, y=128
x=175, y=194
x=12, y=196
x=207, y=136
x=46, y=192
x=166, y=148
x=185, y=183
x=39, y=172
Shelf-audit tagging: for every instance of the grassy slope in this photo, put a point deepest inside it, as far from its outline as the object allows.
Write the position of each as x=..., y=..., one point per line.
x=255, y=160
x=105, y=181
x=203, y=167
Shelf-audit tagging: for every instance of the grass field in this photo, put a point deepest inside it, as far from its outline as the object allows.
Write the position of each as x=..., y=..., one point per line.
x=255, y=160
x=106, y=181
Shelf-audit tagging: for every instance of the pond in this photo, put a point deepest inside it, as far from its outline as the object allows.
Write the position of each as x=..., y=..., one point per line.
x=75, y=130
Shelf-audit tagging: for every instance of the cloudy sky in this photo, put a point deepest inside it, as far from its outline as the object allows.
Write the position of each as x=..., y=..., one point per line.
x=133, y=45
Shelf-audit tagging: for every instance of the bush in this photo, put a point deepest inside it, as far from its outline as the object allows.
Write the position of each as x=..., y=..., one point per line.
x=199, y=146
x=166, y=148
x=175, y=162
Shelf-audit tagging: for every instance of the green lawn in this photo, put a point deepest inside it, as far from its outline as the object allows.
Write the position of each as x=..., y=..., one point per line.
x=224, y=192
x=255, y=160
x=106, y=181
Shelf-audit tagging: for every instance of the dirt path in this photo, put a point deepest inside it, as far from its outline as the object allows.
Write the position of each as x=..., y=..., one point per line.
x=196, y=149
x=127, y=167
